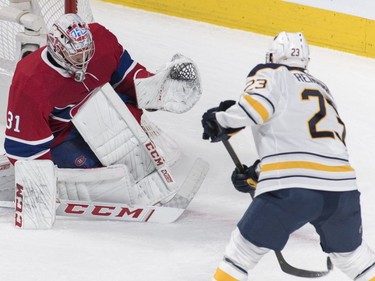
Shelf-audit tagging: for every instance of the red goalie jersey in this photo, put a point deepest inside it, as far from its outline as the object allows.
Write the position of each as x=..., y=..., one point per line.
x=43, y=95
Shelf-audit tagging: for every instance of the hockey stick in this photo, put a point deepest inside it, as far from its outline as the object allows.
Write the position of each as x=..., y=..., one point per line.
x=284, y=265
x=236, y=161
x=110, y=211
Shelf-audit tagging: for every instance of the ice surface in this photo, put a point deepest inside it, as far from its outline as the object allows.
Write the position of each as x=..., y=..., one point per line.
x=191, y=248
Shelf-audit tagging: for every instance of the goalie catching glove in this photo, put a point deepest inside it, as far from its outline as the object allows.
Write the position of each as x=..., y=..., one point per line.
x=175, y=88
x=246, y=180
x=212, y=129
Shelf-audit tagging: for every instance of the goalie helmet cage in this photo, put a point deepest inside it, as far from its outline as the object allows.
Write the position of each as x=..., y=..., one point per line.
x=49, y=10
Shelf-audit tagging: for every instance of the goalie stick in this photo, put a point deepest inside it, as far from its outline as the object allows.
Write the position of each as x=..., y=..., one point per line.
x=164, y=213
x=284, y=265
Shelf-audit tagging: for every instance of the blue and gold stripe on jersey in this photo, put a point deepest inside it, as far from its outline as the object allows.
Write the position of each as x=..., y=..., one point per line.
x=306, y=170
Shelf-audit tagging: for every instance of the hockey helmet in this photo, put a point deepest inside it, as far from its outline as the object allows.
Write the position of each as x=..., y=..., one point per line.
x=290, y=49
x=71, y=45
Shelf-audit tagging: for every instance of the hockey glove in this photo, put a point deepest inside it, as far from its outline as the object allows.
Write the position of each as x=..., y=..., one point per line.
x=247, y=180
x=212, y=129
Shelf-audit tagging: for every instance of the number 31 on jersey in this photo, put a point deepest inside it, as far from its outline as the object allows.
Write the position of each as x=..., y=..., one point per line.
x=13, y=122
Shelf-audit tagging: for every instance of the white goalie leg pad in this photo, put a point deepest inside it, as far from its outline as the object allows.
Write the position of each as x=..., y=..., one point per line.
x=110, y=137
x=6, y=179
x=113, y=184
x=354, y=264
x=35, y=194
x=175, y=88
x=115, y=137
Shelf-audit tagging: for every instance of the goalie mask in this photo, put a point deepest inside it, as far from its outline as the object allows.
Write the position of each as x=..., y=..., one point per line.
x=70, y=43
x=290, y=49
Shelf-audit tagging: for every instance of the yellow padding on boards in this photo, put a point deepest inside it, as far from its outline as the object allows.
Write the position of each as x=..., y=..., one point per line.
x=223, y=276
x=321, y=27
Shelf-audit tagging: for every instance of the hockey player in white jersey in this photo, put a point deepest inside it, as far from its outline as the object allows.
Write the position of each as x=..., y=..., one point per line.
x=305, y=175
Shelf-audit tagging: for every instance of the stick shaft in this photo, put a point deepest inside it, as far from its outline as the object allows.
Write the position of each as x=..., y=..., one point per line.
x=233, y=155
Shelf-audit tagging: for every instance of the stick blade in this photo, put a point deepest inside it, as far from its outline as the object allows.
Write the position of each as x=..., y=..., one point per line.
x=190, y=186
x=287, y=268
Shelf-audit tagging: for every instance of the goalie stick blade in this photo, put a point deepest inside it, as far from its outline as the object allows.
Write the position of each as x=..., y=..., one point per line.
x=287, y=268
x=118, y=212
x=108, y=211
x=190, y=186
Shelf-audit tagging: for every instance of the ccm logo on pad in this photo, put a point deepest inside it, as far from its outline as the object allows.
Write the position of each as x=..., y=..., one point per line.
x=19, y=206
x=158, y=159
x=137, y=214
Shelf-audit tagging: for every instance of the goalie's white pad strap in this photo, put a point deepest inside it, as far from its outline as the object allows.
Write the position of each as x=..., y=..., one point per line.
x=175, y=88
x=35, y=194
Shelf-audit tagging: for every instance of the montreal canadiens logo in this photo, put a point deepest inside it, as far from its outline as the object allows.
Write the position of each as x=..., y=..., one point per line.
x=77, y=32
x=80, y=160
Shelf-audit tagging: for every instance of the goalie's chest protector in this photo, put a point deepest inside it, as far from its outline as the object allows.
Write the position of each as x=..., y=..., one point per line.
x=302, y=144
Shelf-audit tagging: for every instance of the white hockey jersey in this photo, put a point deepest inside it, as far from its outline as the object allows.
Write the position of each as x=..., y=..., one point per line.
x=298, y=132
